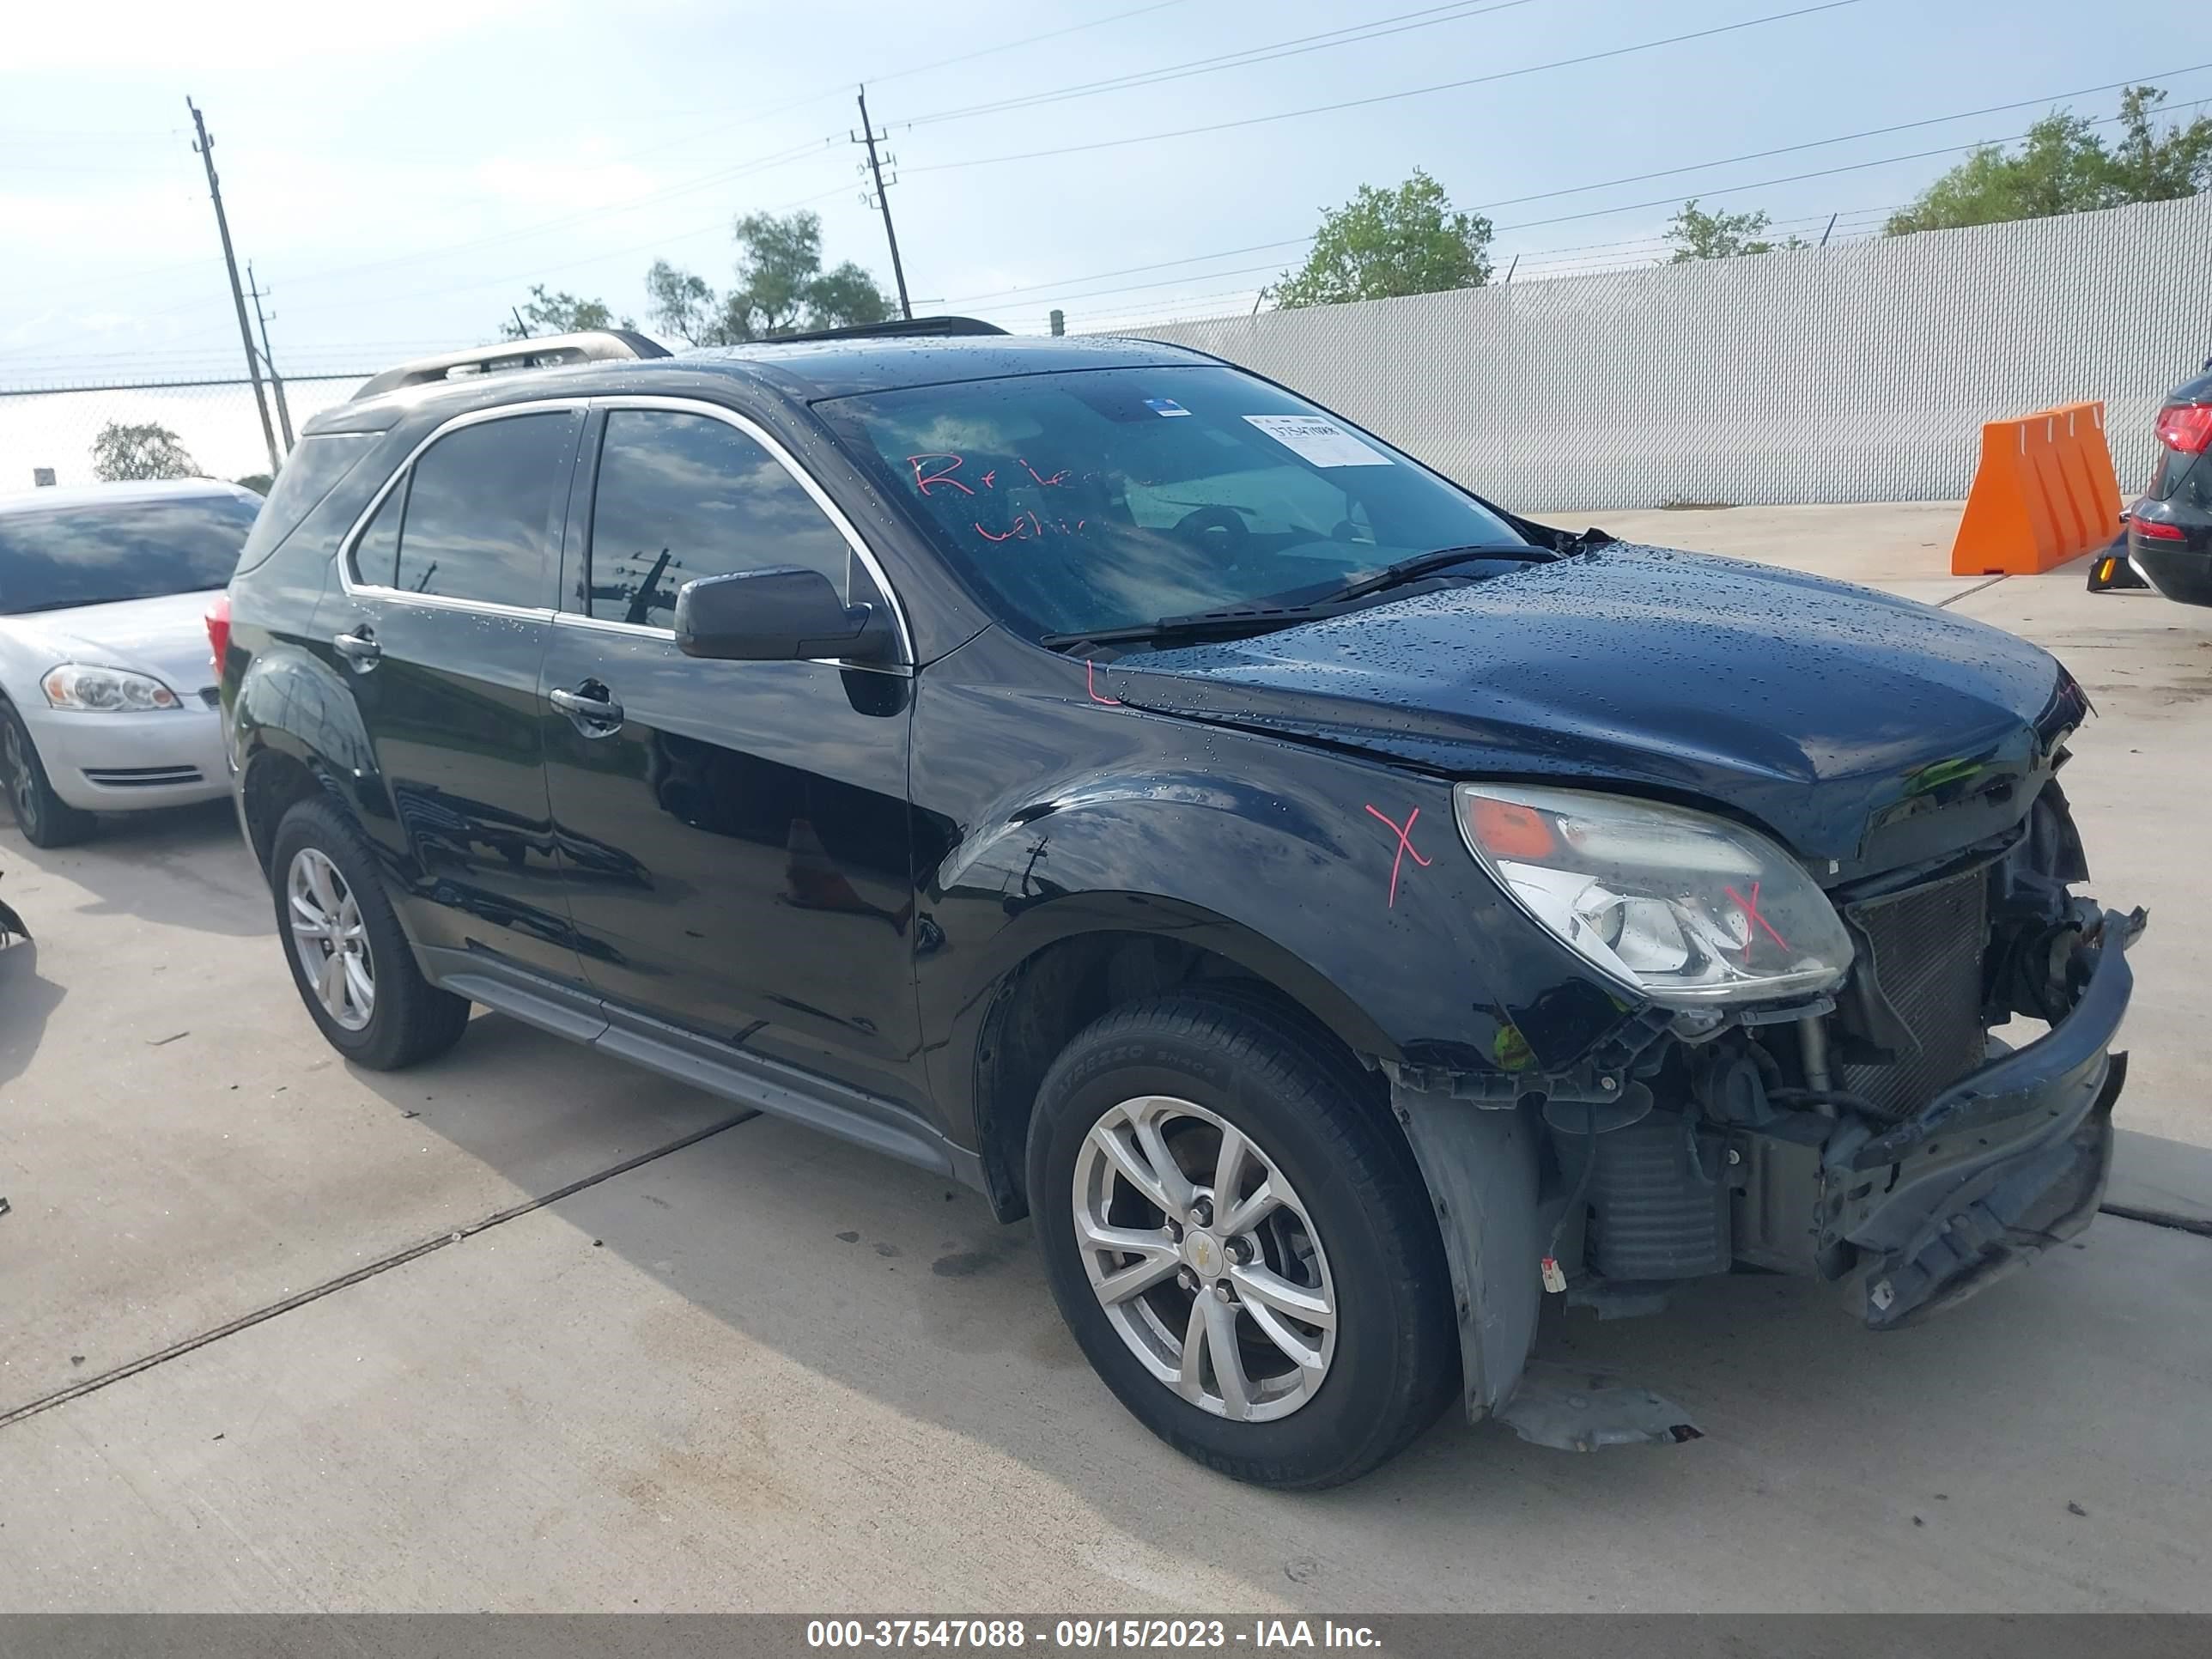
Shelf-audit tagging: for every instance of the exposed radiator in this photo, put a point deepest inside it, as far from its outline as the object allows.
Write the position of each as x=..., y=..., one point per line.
x=1928, y=948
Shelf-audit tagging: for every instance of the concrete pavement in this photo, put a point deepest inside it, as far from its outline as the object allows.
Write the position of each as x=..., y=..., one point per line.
x=769, y=1371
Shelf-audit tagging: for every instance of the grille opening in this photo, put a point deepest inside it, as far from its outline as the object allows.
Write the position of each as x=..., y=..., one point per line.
x=1927, y=945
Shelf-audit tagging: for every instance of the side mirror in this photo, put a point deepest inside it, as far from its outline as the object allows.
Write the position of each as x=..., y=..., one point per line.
x=779, y=614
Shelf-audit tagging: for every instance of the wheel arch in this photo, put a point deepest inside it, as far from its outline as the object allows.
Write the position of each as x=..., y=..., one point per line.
x=297, y=735
x=1062, y=983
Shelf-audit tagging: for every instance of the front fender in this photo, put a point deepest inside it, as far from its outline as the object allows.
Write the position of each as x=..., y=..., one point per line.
x=1340, y=879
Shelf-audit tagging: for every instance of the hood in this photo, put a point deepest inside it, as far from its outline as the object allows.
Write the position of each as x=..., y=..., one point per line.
x=1820, y=709
x=165, y=637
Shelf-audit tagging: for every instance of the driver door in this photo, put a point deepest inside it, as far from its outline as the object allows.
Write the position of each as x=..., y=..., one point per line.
x=733, y=835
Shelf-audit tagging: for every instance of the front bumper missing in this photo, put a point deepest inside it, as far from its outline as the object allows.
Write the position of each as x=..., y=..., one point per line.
x=2008, y=1161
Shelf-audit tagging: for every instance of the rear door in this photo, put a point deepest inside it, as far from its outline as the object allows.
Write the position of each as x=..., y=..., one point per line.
x=735, y=833
x=441, y=628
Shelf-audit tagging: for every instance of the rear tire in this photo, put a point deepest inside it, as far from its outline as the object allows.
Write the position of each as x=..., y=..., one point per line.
x=44, y=818
x=350, y=962
x=1338, y=1310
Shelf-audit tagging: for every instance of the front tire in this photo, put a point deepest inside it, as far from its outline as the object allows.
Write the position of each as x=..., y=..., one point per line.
x=44, y=818
x=350, y=962
x=1240, y=1240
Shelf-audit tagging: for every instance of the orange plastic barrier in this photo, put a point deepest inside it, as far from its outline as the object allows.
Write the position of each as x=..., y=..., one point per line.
x=2045, y=493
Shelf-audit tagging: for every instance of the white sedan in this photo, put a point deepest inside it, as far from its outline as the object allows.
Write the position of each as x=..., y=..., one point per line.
x=108, y=688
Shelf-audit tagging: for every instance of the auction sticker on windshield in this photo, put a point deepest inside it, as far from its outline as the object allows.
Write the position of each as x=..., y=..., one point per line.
x=1322, y=442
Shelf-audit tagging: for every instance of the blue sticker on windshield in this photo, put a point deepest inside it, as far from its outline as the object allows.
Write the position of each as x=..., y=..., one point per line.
x=1165, y=406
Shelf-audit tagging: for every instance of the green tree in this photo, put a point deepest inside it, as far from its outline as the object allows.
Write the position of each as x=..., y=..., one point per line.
x=781, y=288
x=121, y=451
x=2064, y=166
x=1384, y=243
x=1695, y=233
x=259, y=482
x=2160, y=167
x=558, y=313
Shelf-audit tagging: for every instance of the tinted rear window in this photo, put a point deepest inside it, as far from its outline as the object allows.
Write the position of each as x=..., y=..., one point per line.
x=101, y=553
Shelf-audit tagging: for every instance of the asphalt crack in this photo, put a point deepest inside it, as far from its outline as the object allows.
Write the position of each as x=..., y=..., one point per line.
x=383, y=1264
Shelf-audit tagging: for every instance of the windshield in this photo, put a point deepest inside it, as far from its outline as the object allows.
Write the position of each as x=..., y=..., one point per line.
x=98, y=553
x=1104, y=498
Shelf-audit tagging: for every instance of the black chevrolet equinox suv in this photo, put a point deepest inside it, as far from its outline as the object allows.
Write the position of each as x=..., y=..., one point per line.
x=1342, y=912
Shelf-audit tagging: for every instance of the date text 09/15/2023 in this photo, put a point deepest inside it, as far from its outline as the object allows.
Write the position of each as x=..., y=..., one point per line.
x=1087, y=1635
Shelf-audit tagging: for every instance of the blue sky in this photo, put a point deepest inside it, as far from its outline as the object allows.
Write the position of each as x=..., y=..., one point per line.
x=399, y=174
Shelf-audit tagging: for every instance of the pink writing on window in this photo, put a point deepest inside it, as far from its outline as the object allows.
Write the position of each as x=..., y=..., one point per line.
x=925, y=480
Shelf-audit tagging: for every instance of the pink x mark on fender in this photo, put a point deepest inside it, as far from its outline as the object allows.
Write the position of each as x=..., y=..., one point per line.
x=1752, y=919
x=1405, y=846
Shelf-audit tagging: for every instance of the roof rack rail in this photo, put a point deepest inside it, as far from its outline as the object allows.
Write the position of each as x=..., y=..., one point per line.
x=898, y=327
x=551, y=351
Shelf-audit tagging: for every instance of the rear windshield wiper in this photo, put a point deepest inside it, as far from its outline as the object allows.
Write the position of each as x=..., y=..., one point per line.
x=1428, y=564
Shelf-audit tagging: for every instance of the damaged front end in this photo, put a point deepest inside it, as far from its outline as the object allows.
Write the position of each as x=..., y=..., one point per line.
x=1881, y=1135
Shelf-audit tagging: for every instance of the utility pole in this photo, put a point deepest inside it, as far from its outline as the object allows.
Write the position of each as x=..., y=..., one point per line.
x=1830, y=231
x=275, y=380
x=205, y=146
x=867, y=136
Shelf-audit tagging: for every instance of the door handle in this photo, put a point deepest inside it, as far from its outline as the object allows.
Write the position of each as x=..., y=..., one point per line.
x=359, y=649
x=597, y=714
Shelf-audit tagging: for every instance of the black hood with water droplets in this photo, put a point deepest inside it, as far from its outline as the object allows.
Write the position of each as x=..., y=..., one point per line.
x=1814, y=708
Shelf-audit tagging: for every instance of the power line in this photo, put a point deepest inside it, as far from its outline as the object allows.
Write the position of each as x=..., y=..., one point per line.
x=1787, y=179
x=538, y=272
x=1392, y=97
x=757, y=164
x=1350, y=35
x=1639, y=178
x=913, y=68
x=1817, y=143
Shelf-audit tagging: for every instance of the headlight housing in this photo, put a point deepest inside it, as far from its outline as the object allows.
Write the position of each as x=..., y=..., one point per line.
x=1683, y=908
x=106, y=690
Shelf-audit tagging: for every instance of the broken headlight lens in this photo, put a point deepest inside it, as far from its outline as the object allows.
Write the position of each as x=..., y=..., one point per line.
x=1680, y=907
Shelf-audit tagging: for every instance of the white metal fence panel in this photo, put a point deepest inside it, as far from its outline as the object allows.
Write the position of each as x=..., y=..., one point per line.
x=1856, y=373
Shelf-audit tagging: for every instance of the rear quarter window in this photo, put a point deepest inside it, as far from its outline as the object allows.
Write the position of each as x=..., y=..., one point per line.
x=316, y=467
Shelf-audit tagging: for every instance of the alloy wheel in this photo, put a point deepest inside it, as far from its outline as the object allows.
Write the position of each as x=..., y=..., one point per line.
x=331, y=938
x=1203, y=1258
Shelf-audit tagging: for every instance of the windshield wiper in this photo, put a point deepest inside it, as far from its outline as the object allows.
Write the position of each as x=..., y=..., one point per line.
x=1240, y=621
x=1243, y=622
x=1427, y=564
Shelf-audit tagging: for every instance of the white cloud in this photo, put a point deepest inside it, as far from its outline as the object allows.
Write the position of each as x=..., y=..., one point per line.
x=247, y=34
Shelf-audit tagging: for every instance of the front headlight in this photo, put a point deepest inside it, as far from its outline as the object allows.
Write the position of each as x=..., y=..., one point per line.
x=104, y=691
x=1680, y=907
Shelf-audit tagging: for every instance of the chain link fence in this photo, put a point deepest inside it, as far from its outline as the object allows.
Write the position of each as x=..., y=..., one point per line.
x=52, y=427
x=1858, y=373
x=1853, y=373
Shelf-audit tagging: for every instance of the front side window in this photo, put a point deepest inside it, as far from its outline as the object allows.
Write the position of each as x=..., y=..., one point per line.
x=479, y=514
x=682, y=496
x=1103, y=498
x=99, y=553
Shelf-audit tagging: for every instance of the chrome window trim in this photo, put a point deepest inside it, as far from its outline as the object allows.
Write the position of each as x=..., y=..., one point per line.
x=784, y=458
x=351, y=540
